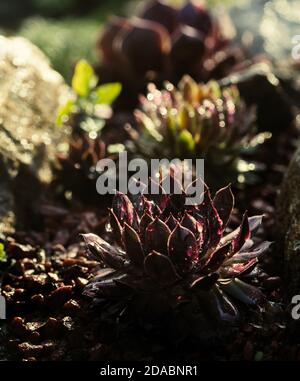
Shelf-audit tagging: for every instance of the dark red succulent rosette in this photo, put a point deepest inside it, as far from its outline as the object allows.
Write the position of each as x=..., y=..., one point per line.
x=164, y=251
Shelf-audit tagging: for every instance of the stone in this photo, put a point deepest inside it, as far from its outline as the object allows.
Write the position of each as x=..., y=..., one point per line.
x=288, y=220
x=272, y=95
x=30, y=94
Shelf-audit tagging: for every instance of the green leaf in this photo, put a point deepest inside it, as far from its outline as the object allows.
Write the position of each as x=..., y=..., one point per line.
x=115, y=148
x=215, y=89
x=186, y=141
x=149, y=126
x=92, y=125
x=64, y=112
x=83, y=78
x=108, y=93
x=2, y=253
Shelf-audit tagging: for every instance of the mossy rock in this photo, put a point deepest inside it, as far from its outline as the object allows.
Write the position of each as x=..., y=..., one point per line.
x=30, y=93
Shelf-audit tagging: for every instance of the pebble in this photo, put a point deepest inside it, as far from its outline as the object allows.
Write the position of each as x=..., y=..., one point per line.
x=60, y=296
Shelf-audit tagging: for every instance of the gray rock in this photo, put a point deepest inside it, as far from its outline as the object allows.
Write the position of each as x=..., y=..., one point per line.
x=288, y=221
x=30, y=93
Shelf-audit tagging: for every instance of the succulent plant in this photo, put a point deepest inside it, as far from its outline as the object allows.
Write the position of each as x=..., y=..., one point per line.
x=77, y=171
x=161, y=255
x=198, y=121
x=179, y=41
x=88, y=110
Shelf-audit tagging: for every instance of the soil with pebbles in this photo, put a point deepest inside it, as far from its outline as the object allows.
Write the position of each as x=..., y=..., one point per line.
x=50, y=319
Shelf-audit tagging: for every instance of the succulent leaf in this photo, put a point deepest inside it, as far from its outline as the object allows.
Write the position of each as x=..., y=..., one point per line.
x=224, y=203
x=157, y=235
x=183, y=248
x=160, y=268
x=133, y=246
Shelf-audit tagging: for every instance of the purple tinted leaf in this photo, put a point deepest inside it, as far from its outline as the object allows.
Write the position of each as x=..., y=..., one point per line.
x=107, y=287
x=221, y=306
x=145, y=221
x=193, y=225
x=183, y=249
x=224, y=202
x=138, y=203
x=171, y=183
x=101, y=250
x=171, y=222
x=133, y=245
x=157, y=236
x=204, y=283
x=160, y=197
x=212, y=222
x=176, y=203
x=239, y=269
x=243, y=235
x=244, y=292
x=115, y=227
x=123, y=209
x=160, y=268
x=245, y=256
x=190, y=189
x=254, y=223
x=216, y=259
x=151, y=208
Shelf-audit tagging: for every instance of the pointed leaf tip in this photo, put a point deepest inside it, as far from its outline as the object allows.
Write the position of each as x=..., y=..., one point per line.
x=160, y=268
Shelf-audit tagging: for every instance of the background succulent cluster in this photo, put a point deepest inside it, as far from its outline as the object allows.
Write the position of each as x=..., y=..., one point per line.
x=198, y=121
x=163, y=42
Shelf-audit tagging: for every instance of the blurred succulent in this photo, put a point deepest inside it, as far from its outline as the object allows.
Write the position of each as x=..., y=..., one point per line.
x=179, y=41
x=198, y=121
x=91, y=106
x=163, y=255
x=78, y=164
x=2, y=253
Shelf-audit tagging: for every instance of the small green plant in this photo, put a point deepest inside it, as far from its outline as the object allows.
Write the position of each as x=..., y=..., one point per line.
x=2, y=253
x=84, y=110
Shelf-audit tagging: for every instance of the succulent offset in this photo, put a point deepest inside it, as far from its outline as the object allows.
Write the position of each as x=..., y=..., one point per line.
x=161, y=255
x=197, y=121
x=78, y=166
x=86, y=113
x=89, y=108
x=83, y=155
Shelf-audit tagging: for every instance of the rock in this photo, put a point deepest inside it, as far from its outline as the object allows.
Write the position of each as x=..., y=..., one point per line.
x=288, y=220
x=30, y=94
x=274, y=107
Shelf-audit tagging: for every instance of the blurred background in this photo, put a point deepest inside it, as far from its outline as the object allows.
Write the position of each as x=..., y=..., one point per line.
x=66, y=30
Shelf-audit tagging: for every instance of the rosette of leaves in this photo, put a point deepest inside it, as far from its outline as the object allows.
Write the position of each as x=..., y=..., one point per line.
x=198, y=121
x=173, y=40
x=78, y=164
x=88, y=110
x=164, y=261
